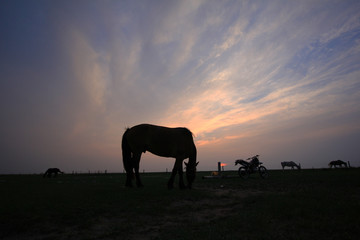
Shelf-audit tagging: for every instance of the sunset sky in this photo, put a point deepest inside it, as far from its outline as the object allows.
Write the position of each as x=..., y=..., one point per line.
x=276, y=78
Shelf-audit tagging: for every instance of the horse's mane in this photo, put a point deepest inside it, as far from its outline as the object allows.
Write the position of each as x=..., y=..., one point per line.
x=190, y=132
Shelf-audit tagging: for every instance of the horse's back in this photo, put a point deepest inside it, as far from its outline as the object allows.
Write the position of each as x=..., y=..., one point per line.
x=289, y=164
x=162, y=141
x=337, y=162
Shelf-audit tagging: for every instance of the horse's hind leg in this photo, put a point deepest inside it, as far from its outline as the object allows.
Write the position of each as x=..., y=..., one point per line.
x=128, y=165
x=136, y=161
x=129, y=176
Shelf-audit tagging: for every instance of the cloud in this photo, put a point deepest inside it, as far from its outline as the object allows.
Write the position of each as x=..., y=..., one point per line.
x=90, y=69
x=255, y=84
x=236, y=73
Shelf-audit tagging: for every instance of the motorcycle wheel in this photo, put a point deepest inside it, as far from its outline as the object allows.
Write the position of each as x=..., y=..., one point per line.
x=263, y=172
x=243, y=173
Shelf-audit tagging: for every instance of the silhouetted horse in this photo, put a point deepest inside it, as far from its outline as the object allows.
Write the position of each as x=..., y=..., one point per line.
x=337, y=163
x=51, y=171
x=290, y=164
x=176, y=143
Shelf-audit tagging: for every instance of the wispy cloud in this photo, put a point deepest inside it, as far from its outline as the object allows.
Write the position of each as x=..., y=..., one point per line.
x=232, y=72
x=255, y=82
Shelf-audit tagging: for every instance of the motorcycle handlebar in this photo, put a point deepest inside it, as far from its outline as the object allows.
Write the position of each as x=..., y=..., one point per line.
x=253, y=157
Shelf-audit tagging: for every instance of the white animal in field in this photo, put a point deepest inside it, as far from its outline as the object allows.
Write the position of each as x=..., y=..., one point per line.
x=290, y=164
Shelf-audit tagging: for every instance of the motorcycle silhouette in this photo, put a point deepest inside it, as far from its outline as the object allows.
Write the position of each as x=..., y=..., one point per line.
x=250, y=167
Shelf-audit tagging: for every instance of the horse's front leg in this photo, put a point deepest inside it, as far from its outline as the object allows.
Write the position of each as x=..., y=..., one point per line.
x=177, y=166
x=136, y=160
x=172, y=178
x=181, y=179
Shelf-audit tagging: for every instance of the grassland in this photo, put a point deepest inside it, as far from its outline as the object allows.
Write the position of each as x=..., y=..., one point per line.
x=307, y=204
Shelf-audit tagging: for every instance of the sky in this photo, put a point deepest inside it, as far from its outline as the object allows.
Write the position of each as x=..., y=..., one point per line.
x=276, y=78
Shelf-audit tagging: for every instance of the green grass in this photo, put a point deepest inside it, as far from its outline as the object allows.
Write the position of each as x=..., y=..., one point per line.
x=307, y=204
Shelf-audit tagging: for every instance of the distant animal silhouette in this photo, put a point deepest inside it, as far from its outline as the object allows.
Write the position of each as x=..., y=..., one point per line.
x=337, y=163
x=176, y=143
x=52, y=171
x=290, y=164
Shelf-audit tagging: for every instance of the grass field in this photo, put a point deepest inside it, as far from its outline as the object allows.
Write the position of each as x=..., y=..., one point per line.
x=307, y=204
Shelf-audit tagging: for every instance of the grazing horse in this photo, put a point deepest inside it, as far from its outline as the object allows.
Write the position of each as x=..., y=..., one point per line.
x=176, y=143
x=51, y=171
x=290, y=164
x=337, y=163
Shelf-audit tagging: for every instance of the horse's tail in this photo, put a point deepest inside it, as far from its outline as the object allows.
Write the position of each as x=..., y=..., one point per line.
x=126, y=152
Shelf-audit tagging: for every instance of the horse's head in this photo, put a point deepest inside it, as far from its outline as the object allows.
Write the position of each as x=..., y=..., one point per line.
x=190, y=172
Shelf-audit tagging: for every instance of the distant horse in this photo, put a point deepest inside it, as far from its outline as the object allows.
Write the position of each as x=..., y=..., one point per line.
x=51, y=171
x=176, y=143
x=290, y=164
x=337, y=163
